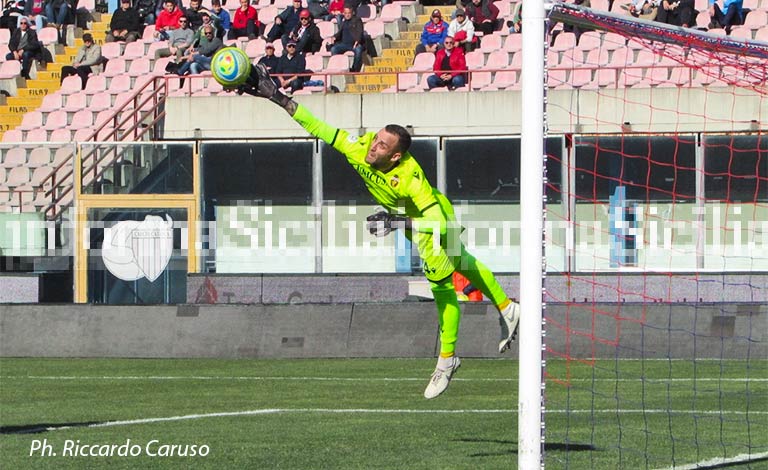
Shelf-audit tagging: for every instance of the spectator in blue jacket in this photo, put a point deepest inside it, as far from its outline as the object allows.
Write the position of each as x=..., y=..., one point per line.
x=730, y=14
x=434, y=34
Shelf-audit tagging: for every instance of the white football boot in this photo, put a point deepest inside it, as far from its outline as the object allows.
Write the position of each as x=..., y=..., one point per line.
x=511, y=317
x=441, y=377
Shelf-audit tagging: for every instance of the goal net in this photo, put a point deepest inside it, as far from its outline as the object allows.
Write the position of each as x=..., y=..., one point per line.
x=656, y=243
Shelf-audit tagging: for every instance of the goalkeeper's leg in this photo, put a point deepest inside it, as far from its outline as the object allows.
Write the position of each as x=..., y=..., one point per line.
x=448, y=315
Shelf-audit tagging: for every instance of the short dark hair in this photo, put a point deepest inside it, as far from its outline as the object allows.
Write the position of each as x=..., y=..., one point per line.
x=403, y=136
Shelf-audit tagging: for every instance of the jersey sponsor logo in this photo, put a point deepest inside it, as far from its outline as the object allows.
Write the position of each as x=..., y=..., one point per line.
x=370, y=175
x=394, y=181
x=425, y=267
x=416, y=175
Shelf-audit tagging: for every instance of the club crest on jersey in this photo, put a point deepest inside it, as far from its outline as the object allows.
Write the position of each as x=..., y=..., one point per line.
x=352, y=138
x=394, y=181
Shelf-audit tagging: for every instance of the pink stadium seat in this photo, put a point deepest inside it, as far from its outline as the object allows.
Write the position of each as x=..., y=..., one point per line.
x=149, y=33
x=756, y=19
x=267, y=14
x=505, y=8
x=255, y=48
x=517, y=61
x=134, y=50
x=15, y=157
x=89, y=5
x=119, y=84
x=751, y=4
x=630, y=77
x=479, y=79
x=622, y=57
x=64, y=156
x=155, y=46
x=56, y=119
x=327, y=29
x=71, y=85
x=10, y=69
x=703, y=19
x=17, y=177
x=48, y=35
x=406, y=81
x=36, y=135
x=564, y=41
x=580, y=77
x=741, y=32
x=13, y=135
x=314, y=62
x=103, y=117
x=391, y=12
x=513, y=43
x=160, y=64
x=490, y=43
x=5, y=36
x=100, y=102
x=475, y=59
x=597, y=58
x=39, y=175
x=51, y=102
x=96, y=84
x=497, y=60
x=83, y=135
x=82, y=119
x=680, y=76
x=505, y=79
x=605, y=77
x=601, y=5
x=31, y=120
x=337, y=63
x=60, y=135
x=553, y=58
x=139, y=67
x=613, y=41
x=375, y=28
x=589, y=40
x=76, y=102
x=40, y=156
x=423, y=61
x=215, y=87
x=556, y=77
x=655, y=76
x=115, y=67
x=646, y=58
x=112, y=50
x=762, y=34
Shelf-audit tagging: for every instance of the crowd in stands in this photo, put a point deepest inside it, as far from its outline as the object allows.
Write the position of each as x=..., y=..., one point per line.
x=192, y=34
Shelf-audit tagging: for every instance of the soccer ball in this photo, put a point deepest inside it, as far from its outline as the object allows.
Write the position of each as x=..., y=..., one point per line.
x=230, y=66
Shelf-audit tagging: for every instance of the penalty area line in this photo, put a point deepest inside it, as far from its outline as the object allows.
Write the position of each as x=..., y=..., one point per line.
x=720, y=462
x=267, y=411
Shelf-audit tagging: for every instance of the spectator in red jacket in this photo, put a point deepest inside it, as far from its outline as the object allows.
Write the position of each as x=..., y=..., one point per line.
x=450, y=66
x=167, y=20
x=245, y=22
x=484, y=15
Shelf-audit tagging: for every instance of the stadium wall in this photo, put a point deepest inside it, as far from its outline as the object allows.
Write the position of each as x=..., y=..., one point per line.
x=660, y=110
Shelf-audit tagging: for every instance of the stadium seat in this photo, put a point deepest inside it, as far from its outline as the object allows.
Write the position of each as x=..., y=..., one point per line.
x=741, y=32
x=10, y=69
x=100, y=102
x=479, y=79
x=255, y=48
x=622, y=57
x=148, y=35
x=375, y=28
x=580, y=77
x=159, y=67
x=13, y=135
x=564, y=41
x=513, y=43
x=139, y=67
x=314, y=62
x=629, y=77
x=96, y=84
x=83, y=134
x=56, y=119
x=505, y=79
x=36, y=135
x=680, y=76
x=17, y=177
x=475, y=60
x=112, y=50
x=613, y=41
x=51, y=102
x=71, y=85
x=5, y=36
x=327, y=29
x=75, y=102
x=556, y=78
x=756, y=19
x=155, y=46
x=505, y=8
x=31, y=120
x=338, y=63
x=60, y=135
x=120, y=83
x=646, y=58
x=602, y=5
x=605, y=77
x=39, y=157
x=406, y=81
x=490, y=43
x=64, y=157
x=497, y=60
x=134, y=50
x=423, y=61
x=81, y=119
x=597, y=58
x=703, y=19
x=762, y=34
x=590, y=40
x=15, y=157
x=115, y=67
x=39, y=176
x=391, y=12
x=48, y=35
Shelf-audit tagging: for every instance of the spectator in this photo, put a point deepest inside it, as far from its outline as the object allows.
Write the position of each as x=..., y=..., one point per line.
x=56, y=11
x=11, y=14
x=180, y=40
x=34, y=10
x=434, y=33
x=221, y=19
x=285, y=22
x=644, y=9
x=193, y=14
x=246, y=22
x=88, y=60
x=677, y=12
x=269, y=59
x=515, y=25
x=450, y=67
x=293, y=65
x=205, y=16
x=167, y=20
x=199, y=60
x=24, y=46
x=730, y=15
x=484, y=15
x=350, y=38
x=125, y=24
x=306, y=34
x=317, y=8
x=459, y=24
x=335, y=10
x=146, y=11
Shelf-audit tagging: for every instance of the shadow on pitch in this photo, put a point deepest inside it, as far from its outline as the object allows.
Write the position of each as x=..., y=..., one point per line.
x=42, y=427
x=551, y=446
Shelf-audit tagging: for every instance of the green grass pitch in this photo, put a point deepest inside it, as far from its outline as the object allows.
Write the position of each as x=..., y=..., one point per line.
x=369, y=413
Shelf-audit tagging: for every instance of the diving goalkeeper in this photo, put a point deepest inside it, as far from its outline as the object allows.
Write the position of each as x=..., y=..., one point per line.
x=397, y=182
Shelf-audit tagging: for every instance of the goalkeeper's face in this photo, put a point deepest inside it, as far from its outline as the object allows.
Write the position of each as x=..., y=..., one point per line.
x=384, y=151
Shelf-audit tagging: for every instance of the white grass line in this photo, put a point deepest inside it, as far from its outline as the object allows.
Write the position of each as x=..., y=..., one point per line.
x=716, y=463
x=362, y=379
x=380, y=411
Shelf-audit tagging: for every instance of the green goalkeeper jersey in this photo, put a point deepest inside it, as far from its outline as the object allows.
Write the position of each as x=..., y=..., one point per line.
x=403, y=189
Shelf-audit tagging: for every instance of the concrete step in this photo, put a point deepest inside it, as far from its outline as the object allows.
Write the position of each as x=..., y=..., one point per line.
x=401, y=62
x=413, y=35
x=404, y=44
x=10, y=121
x=49, y=75
x=401, y=52
x=381, y=79
x=24, y=100
x=17, y=109
x=39, y=88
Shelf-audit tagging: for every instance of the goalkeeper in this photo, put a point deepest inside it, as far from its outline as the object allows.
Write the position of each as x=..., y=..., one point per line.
x=397, y=182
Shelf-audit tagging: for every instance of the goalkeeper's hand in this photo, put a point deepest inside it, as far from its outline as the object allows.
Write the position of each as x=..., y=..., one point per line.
x=382, y=223
x=260, y=84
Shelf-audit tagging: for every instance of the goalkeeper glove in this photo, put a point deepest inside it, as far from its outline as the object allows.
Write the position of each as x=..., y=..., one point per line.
x=382, y=223
x=259, y=84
